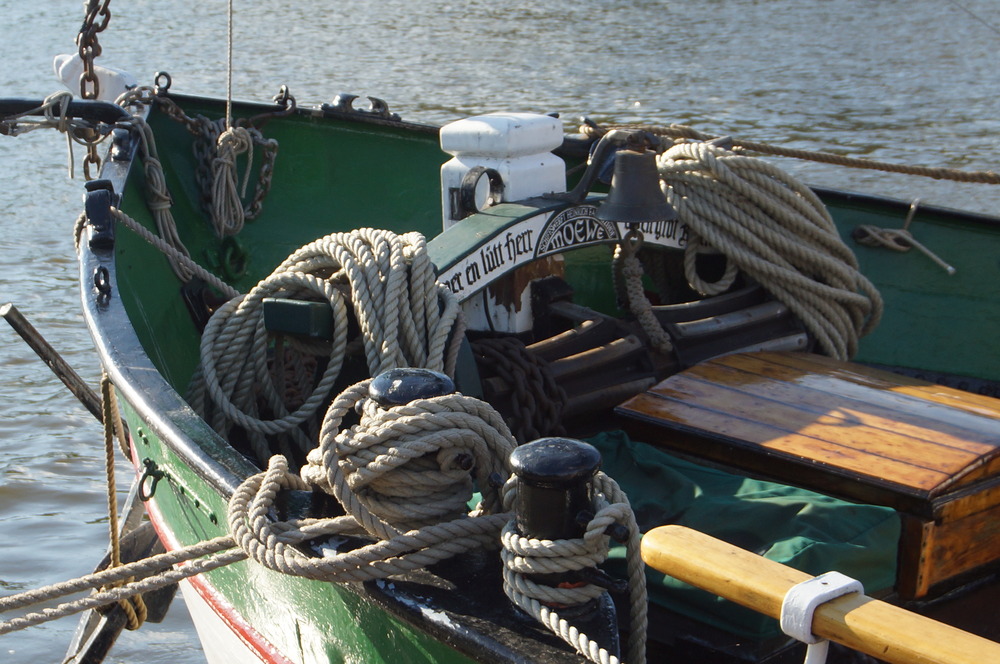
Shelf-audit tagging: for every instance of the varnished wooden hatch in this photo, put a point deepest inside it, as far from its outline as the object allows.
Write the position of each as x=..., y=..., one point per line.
x=931, y=452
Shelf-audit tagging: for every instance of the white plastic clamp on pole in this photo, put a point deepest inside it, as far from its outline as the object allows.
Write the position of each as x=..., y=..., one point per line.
x=801, y=602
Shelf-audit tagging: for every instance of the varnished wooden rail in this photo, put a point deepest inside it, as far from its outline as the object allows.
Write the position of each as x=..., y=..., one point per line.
x=857, y=621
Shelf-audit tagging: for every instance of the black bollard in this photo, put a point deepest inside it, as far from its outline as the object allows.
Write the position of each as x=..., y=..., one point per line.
x=555, y=486
x=398, y=387
x=556, y=476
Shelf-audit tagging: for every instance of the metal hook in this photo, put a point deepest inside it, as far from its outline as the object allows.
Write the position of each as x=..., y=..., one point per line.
x=151, y=472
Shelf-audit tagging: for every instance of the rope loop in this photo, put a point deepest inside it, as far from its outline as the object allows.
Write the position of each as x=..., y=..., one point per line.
x=525, y=557
x=412, y=465
x=776, y=231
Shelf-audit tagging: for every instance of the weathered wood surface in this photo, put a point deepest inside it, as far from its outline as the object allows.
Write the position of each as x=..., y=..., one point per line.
x=881, y=431
x=870, y=626
x=870, y=436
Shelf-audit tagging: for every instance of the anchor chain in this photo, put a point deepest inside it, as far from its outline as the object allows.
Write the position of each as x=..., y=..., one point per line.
x=216, y=149
x=98, y=15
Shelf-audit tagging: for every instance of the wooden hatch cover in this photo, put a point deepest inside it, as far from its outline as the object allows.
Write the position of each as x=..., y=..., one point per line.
x=930, y=452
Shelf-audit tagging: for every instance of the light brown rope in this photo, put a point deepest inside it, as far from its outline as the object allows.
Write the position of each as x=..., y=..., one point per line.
x=680, y=132
x=134, y=606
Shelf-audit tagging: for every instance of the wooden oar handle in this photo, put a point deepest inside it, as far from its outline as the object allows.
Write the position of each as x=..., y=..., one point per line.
x=857, y=621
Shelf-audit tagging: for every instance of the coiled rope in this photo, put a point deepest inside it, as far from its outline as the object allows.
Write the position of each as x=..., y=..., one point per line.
x=408, y=466
x=406, y=319
x=523, y=557
x=776, y=231
x=228, y=213
x=404, y=476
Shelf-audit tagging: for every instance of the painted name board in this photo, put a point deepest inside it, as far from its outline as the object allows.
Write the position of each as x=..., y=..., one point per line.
x=544, y=235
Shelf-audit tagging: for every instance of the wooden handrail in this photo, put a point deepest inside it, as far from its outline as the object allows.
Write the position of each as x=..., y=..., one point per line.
x=857, y=621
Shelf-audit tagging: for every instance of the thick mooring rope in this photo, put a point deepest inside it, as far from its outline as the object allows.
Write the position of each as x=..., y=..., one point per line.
x=404, y=476
x=523, y=557
x=776, y=231
x=150, y=574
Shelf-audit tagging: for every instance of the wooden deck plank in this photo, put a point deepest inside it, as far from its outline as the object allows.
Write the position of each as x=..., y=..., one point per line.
x=815, y=397
x=900, y=400
x=974, y=404
x=855, y=445
x=908, y=416
x=799, y=446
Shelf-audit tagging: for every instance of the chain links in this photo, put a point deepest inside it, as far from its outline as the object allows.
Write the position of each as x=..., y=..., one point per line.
x=98, y=15
x=207, y=132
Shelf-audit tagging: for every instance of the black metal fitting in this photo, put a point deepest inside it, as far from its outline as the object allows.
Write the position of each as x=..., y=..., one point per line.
x=398, y=387
x=555, y=478
x=98, y=201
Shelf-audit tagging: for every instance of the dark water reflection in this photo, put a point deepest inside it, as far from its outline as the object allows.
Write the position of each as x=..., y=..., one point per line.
x=903, y=81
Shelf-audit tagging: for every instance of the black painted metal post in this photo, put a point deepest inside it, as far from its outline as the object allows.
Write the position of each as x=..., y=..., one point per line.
x=398, y=387
x=555, y=488
x=556, y=477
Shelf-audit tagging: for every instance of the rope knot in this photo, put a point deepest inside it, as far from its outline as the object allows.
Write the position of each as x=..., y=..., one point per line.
x=408, y=466
x=228, y=213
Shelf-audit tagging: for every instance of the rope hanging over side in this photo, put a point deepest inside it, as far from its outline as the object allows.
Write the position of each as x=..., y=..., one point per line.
x=134, y=606
x=777, y=232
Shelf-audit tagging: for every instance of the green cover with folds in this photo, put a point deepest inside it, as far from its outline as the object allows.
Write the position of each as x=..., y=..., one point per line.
x=805, y=530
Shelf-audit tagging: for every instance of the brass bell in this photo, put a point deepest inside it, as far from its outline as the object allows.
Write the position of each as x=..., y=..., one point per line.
x=635, y=196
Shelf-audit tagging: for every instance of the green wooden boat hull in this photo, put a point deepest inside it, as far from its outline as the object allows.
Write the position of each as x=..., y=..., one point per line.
x=337, y=172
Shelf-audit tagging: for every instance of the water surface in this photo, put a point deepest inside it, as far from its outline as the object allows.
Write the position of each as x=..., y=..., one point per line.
x=912, y=82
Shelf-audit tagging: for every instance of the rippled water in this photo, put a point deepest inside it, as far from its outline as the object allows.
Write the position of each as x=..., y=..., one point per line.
x=913, y=81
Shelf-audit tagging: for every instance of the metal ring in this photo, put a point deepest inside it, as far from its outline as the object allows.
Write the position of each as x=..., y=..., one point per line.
x=164, y=87
x=634, y=238
x=470, y=183
x=102, y=282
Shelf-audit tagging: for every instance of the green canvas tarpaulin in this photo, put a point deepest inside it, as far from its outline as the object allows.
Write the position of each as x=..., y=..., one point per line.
x=805, y=530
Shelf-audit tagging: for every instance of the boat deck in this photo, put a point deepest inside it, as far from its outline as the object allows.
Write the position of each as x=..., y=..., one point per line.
x=930, y=452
